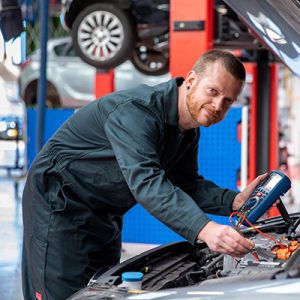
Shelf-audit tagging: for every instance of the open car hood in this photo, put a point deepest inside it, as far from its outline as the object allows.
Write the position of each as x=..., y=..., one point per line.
x=276, y=24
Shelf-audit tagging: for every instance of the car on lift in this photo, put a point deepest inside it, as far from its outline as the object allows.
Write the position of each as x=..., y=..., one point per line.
x=70, y=81
x=106, y=33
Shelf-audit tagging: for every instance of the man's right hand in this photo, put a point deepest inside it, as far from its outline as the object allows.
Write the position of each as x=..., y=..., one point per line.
x=225, y=239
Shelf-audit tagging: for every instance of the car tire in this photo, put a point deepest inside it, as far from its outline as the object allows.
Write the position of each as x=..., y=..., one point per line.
x=149, y=61
x=117, y=34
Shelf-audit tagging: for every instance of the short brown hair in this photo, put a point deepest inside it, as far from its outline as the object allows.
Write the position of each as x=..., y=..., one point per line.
x=232, y=64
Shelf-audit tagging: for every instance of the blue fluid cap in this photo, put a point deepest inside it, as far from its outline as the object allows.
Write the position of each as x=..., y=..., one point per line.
x=132, y=276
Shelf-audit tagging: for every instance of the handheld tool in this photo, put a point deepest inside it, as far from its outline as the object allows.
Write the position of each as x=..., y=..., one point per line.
x=275, y=185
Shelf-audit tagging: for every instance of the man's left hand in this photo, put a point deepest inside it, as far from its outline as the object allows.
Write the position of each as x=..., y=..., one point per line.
x=242, y=197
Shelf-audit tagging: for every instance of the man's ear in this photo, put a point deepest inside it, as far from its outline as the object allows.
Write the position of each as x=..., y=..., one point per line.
x=191, y=78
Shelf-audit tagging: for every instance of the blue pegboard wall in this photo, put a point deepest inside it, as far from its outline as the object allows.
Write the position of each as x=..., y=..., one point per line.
x=53, y=120
x=219, y=154
x=219, y=161
x=141, y=227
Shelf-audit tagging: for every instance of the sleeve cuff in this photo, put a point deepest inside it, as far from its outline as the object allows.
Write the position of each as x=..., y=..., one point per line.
x=197, y=227
x=228, y=198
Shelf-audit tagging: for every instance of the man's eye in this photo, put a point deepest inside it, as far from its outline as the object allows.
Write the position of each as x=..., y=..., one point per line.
x=212, y=91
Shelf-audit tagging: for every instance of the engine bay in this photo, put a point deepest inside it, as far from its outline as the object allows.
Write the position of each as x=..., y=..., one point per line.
x=182, y=264
x=203, y=265
x=266, y=256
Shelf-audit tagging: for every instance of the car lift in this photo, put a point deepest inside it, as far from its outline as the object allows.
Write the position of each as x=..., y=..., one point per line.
x=191, y=34
x=104, y=82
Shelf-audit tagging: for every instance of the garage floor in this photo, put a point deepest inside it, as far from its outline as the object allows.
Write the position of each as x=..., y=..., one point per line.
x=11, y=237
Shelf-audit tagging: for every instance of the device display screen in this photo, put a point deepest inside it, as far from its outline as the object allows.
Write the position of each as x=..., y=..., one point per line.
x=272, y=181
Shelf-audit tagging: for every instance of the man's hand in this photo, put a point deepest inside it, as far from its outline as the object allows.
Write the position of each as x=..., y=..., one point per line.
x=225, y=239
x=241, y=198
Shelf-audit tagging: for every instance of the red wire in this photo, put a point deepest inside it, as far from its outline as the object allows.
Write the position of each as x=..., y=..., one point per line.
x=254, y=227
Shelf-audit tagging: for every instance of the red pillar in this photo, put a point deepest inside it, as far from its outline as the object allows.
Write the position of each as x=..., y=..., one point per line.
x=104, y=83
x=274, y=128
x=251, y=70
x=191, y=33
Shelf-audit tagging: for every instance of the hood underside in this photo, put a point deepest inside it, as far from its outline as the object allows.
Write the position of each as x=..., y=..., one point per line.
x=276, y=24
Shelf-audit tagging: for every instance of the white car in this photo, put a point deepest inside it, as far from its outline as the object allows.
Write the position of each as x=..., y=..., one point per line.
x=70, y=80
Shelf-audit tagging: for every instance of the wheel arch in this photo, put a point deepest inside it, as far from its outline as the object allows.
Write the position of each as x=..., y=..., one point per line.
x=30, y=94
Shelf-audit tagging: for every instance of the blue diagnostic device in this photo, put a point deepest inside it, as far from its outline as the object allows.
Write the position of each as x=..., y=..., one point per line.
x=275, y=185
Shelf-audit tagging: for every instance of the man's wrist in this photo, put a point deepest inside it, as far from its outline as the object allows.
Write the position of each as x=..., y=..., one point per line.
x=203, y=232
x=237, y=202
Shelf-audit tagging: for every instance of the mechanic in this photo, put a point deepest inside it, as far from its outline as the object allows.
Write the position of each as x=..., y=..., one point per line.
x=132, y=146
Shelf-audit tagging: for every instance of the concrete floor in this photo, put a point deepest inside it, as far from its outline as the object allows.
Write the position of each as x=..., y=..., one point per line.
x=10, y=237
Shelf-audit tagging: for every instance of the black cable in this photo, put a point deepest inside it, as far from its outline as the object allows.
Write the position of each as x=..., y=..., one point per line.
x=206, y=258
x=205, y=270
x=292, y=228
x=214, y=262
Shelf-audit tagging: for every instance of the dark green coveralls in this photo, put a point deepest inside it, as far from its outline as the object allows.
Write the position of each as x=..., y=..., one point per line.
x=122, y=149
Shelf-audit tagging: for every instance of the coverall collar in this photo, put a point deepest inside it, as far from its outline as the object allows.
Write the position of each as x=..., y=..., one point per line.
x=171, y=101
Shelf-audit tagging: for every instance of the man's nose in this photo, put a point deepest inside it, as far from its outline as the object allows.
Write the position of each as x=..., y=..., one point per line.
x=218, y=103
